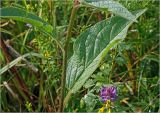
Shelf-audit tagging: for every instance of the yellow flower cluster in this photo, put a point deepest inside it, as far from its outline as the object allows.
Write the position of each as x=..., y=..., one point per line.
x=47, y=54
x=106, y=105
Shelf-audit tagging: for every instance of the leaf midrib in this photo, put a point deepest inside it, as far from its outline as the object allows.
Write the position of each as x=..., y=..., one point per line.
x=87, y=67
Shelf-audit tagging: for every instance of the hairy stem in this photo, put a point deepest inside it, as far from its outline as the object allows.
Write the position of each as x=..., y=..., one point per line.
x=69, y=33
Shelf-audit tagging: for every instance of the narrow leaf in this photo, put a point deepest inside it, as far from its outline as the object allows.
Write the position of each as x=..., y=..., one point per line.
x=5, y=31
x=112, y=6
x=24, y=16
x=14, y=62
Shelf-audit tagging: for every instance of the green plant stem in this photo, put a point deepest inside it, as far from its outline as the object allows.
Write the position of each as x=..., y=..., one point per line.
x=64, y=67
x=53, y=12
x=25, y=4
x=41, y=94
x=90, y=18
x=40, y=8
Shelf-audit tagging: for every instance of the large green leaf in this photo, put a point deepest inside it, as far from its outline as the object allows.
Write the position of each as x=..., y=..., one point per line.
x=24, y=16
x=112, y=6
x=91, y=47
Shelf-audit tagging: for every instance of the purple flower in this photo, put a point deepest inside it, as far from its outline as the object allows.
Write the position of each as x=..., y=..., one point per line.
x=108, y=93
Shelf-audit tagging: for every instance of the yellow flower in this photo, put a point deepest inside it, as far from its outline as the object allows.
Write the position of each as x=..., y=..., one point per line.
x=101, y=110
x=106, y=105
x=109, y=110
x=47, y=54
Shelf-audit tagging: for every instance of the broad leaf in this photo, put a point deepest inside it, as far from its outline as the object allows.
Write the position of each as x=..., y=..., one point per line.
x=112, y=6
x=24, y=16
x=91, y=47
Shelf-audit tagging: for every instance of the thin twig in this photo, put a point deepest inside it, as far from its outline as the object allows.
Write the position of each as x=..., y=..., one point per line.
x=20, y=84
x=14, y=53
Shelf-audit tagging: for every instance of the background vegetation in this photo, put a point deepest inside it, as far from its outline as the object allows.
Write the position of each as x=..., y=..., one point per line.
x=133, y=66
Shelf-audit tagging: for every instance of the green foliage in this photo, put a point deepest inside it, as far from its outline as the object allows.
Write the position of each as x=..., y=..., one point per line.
x=90, y=48
x=105, y=48
x=113, y=6
x=28, y=106
x=16, y=61
x=24, y=16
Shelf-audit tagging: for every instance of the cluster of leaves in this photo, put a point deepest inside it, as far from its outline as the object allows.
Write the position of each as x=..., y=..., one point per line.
x=99, y=27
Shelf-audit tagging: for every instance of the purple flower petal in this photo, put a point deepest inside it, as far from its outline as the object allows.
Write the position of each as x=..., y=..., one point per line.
x=108, y=93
